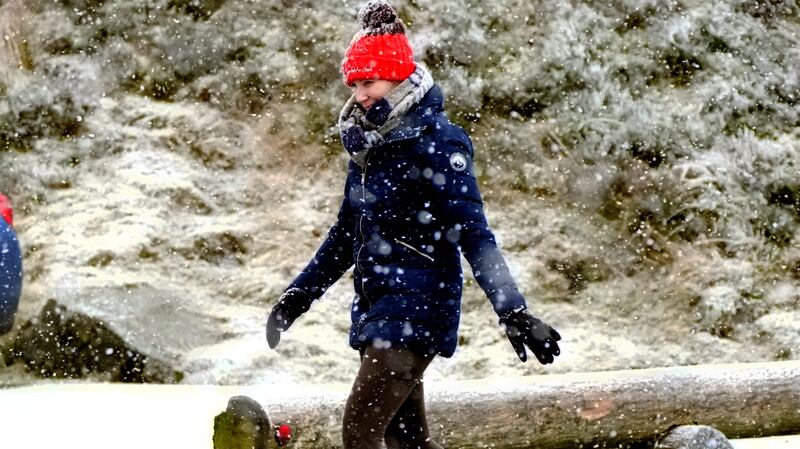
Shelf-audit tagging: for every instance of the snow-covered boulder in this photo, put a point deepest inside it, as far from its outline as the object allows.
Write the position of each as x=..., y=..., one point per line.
x=63, y=344
x=694, y=437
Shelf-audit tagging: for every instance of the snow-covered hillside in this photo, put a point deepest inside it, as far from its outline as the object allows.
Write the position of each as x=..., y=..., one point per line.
x=174, y=164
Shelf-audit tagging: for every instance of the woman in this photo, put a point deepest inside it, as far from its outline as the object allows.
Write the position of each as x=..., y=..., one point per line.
x=411, y=205
x=10, y=267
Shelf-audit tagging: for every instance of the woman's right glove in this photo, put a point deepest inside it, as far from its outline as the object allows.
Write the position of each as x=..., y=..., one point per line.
x=292, y=303
x=522, y=328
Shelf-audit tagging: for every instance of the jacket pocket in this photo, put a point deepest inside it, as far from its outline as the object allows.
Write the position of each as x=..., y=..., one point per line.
x=414, y=249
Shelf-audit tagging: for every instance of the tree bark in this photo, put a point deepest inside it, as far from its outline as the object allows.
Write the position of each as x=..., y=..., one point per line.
x=592, y=410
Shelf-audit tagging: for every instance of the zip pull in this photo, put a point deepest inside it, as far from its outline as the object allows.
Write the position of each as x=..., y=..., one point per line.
x=413, y=249
x=364, y=169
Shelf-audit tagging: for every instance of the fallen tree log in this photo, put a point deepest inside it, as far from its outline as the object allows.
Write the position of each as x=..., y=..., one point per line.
x=601, y=409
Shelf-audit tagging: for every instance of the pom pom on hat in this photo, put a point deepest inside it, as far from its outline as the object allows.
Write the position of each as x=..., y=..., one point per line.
x=381, y=49
x=377, y=16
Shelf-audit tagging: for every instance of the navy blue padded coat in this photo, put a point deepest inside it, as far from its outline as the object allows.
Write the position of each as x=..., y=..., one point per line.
x=403, y=222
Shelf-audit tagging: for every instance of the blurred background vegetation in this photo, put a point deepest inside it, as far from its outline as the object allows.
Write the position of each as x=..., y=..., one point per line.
x=637, y=156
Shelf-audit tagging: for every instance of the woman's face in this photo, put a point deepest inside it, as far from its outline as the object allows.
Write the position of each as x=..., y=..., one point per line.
x=367, y=92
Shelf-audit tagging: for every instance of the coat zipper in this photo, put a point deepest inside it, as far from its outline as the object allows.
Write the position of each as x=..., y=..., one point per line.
x=414, y=249
x=361, y=231
x=361, y=322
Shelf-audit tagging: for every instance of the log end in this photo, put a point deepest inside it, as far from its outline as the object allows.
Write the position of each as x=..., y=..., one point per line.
x=243, y=425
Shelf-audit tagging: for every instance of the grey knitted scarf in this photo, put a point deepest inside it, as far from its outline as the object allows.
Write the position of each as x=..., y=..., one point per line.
x=402, y=98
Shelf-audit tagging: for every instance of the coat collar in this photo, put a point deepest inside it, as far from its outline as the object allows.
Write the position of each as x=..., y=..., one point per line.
x=419, y=117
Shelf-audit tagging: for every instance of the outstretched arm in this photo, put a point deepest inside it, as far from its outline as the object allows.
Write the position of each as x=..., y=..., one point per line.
x=462, y=210
x=460, y=201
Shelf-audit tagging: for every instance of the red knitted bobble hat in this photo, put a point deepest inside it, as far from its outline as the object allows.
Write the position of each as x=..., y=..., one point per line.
x=380, y=50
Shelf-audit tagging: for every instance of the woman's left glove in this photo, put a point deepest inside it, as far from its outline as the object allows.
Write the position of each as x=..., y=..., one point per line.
x=292, y=303
x=522, y=328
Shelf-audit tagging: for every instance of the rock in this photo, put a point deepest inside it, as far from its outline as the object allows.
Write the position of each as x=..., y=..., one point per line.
x=63, y=344
x=694, y=437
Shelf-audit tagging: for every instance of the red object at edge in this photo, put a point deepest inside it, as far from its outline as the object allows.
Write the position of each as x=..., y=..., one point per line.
x=6, y=210
x=283, y=433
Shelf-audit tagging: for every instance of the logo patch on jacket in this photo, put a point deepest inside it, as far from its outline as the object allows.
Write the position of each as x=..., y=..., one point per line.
x=458, y=161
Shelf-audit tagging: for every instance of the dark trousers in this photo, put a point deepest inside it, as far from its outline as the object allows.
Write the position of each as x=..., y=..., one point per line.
x=387, y=402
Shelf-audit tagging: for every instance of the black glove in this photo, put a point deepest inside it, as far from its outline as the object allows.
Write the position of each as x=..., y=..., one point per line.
x=378, y=113
x=522, y=328
x=354, y=139
x=292, y=303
